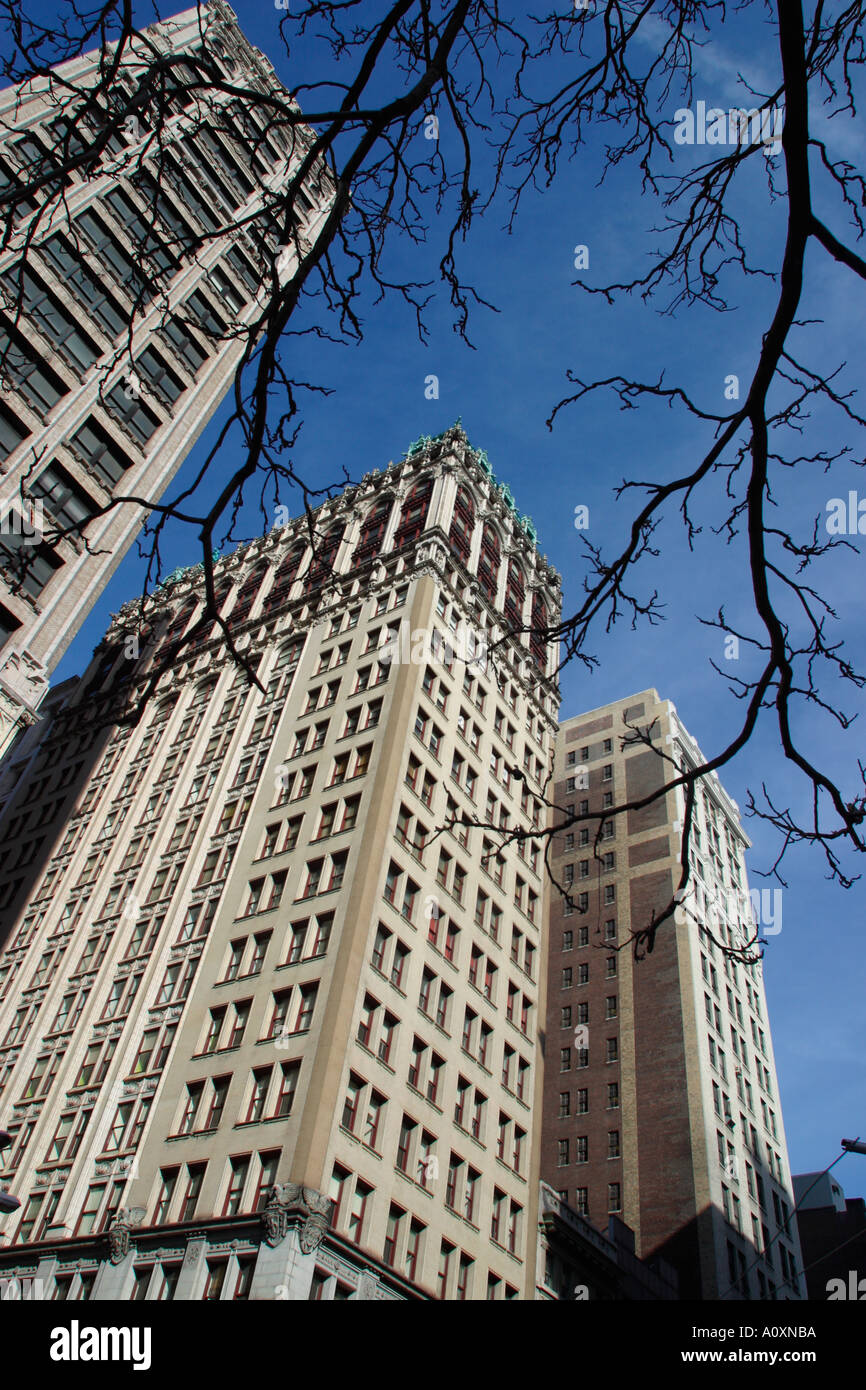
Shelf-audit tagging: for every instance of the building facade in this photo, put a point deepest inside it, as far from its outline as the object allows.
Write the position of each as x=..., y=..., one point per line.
x=280, y=956
x=126, y=286
x=832, y=1231
x=577, y=1264
x=661, y=1098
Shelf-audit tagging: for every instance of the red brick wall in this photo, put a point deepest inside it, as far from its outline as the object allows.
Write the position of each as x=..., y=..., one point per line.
x=667, y=1193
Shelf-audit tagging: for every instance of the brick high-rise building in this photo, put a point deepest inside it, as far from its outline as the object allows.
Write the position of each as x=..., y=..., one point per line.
x=661, y=1098
x=832, y=1237
x=122, y=291
x=264, y=1032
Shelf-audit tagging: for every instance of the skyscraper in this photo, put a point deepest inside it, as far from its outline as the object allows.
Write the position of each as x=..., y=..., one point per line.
x=271, y=1009
x=125, y=287
x=661, y=1098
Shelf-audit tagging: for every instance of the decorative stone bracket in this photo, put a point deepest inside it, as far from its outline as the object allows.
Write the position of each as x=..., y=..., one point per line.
x=291, y=1198
x=120, y=1231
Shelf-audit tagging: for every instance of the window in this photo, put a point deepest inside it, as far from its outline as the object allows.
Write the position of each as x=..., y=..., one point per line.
x=514, y=1216
x=100, y=453
x=195, y=1178
x=193, y=1096
x=357, y=1211
x=446, y=1250
x=497, y=1213
x=464, y=1273
x=389, y=1029
x=64, y=500
x=59, y=327
x=306, y=1007
x=413, y=1247
x=129, y=410
x=372, y=1121
x=365, y=1023
x=238, y=1171
x=392, y=1235
x=288, y=1088
x=258, y=1095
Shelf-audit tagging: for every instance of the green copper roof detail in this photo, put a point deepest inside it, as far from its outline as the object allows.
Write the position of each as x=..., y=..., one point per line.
x=524, y=522
x=177, y=574
x=420, y=443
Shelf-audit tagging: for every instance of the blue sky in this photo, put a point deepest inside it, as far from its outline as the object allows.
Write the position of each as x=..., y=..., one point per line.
x=505, y=389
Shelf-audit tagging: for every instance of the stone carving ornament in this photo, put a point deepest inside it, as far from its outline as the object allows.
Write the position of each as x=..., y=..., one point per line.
x=288, y=1197
x=282, y=1197
x=318, y=1208
x=120, y=1231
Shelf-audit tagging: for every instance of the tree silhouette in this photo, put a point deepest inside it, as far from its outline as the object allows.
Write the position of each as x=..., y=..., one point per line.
x=497, y=85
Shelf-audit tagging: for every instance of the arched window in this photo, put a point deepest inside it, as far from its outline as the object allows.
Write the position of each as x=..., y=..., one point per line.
x=413, y=514
x=178, y=625
x=110, y=653
x=287, y=572
x=247, y=595
x=324, y=555
x=175, y=630
x=164, y=709
x=515, y=593
x=372, y=533
x=462, y=524
x=488, y=563
x=538, y=643
x=221, y=592
x=204, y=691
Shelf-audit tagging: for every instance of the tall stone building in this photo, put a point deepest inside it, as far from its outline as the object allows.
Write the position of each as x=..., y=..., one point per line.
x=661, y=1098
x=271, y=1011
x=124, y=289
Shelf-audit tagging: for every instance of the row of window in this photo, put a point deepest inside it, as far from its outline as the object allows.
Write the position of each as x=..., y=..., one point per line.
x=581, y=1148
x=581, y=1198
x=571, y=757
x=405, y=1235
x=581, y=1055
x=291, y=1012
x=581, y=1100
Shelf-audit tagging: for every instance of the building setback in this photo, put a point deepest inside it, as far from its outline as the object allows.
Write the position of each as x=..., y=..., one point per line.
x=832, y=1236
x=124, y=292
x=578, y=1264
x=661, y=1099
x=264, y=1033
